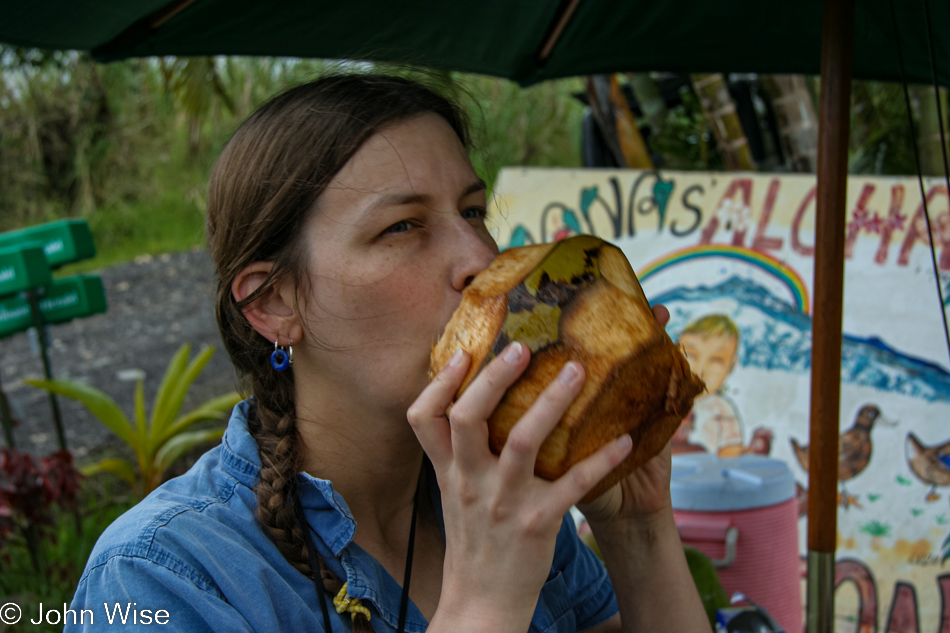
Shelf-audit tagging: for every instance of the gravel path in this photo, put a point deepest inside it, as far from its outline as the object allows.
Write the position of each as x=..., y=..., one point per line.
x=155, y=305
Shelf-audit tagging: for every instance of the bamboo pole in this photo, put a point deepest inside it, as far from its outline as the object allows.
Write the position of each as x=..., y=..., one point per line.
x=720, y=111
x=834, y=124
x=628, y=133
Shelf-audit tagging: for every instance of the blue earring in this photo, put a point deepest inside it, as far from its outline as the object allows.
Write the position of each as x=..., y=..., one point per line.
x=281, y=359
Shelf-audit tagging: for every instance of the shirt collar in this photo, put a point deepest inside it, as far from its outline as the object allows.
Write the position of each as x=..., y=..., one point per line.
x=370, y=582
x=331, y=521
x=324, y=508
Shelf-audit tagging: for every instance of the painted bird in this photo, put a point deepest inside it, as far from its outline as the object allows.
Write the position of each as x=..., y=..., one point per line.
x=854, y=449
x=761, y=442
x=931, y=464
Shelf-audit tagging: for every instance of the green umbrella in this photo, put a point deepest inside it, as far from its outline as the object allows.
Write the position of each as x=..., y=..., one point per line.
x=523, y=40
x=534, y=40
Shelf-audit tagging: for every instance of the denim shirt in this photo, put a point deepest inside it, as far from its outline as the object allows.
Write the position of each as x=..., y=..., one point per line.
x=193, y=557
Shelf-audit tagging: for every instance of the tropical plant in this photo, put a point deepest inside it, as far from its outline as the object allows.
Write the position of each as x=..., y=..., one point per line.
x=684, y=139
x=29, y=490
x=161, y=439
x=198, y=87
x=880, y=134
x=538, y=126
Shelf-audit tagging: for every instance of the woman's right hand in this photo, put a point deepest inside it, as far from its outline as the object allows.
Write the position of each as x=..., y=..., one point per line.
x=501, y=521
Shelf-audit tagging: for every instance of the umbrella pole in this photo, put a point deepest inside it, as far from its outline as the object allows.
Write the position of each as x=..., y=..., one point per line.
x=834, y=124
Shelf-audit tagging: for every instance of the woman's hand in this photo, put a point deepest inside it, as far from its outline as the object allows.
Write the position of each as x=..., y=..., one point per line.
x=501, y=521
x=640, y=496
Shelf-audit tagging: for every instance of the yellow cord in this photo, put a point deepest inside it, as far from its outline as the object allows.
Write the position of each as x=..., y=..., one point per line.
x=343, y=602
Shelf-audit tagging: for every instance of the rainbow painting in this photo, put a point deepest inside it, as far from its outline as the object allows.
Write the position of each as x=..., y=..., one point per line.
x=767, y=263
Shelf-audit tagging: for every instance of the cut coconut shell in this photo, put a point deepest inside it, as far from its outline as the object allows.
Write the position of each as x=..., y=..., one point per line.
x=578, y=300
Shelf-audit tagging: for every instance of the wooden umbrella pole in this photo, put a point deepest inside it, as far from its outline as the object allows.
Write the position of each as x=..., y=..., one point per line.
x=835, y=103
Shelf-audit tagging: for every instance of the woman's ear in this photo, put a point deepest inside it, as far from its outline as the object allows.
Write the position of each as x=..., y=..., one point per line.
x=272, y=314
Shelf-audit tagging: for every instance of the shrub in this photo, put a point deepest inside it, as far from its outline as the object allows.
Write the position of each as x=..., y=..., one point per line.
x=157, y=441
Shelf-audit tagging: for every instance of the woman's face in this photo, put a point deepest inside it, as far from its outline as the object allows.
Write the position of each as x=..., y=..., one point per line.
x=395, y=238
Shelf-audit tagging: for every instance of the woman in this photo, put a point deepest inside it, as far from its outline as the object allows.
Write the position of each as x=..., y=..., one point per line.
x=345, y=219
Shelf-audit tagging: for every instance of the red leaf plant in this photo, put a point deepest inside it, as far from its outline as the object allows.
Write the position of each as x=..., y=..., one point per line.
x=29, y=489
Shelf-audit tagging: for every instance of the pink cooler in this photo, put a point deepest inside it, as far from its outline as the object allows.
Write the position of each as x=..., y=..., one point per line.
x=742, y=513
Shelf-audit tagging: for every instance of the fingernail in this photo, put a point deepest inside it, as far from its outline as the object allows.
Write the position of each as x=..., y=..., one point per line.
x=513, y=353
x=624, y=441
x=456, y=358
x=568, y=374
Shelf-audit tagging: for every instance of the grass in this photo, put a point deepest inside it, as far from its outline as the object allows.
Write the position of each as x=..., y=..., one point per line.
x=170, y=223
x=167, y=216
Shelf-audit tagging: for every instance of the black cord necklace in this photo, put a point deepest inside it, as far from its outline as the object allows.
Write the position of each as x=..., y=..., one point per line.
x=322, y=595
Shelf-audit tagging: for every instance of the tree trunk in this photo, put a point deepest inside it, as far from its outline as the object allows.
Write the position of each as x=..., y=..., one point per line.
x=928, y=132
x=617, y=123
x=795, y=114
x=720, y=111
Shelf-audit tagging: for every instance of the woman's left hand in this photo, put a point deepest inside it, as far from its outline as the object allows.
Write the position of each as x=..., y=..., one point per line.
x=644, y=493
x=640, y=496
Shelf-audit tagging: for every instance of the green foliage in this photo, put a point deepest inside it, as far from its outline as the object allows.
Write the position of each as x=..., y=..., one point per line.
x=63, y=557
x=141, y=136
x=128, y=142
x=684, y=139
x=704, y=575
x=707, y=582
x=538, y=126
x=123, y=231
x=159, y=440
x=881, y=141
x=30, y=490
x=63, y=148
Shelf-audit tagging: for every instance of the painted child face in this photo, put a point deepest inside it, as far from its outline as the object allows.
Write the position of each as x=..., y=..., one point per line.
x=711, y=357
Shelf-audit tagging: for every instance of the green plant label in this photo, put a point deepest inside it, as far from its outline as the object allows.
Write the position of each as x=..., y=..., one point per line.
x=23, y=267
x=64, y=241
x=65, y=300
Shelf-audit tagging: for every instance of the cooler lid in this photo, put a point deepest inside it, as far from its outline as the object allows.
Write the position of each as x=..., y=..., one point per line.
x=704, y=482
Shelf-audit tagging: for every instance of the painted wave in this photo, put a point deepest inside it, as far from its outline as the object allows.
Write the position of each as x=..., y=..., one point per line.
x=777, y=336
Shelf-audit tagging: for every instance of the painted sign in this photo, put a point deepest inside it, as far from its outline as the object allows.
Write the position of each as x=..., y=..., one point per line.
x=732, y=257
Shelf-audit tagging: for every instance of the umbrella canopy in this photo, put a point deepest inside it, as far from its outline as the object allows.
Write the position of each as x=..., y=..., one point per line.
x=524, y=40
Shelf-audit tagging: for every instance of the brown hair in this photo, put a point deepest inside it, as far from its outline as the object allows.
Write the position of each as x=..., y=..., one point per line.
x=262, y=189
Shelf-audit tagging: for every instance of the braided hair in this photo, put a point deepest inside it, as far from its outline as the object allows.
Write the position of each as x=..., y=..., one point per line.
x=262, y=189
